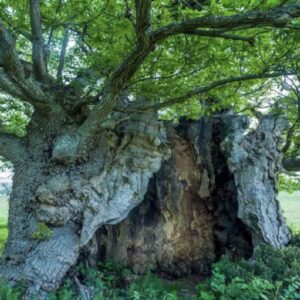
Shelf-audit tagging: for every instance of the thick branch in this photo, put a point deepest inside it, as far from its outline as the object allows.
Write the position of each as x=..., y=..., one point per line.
x=291, y=163
x=142, y=19
x=200, y=90
x=9, y=87
x=12, y=148
x=278, y=17
x=222, y=34
x=289, y=138
x=125, y=71
x=38, y=53
x=63, y=54
x=8, y=56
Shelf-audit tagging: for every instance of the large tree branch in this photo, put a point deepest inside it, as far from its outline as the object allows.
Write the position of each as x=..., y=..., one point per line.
x=221, y=34
x=278, y=17
x=12, y=148
x=146, y=41
x=9, y=87
x=199, y=90
x=14, y=79
x=125, y=71
x=291, y=163
x=63, y=54
x=8, y=55
x=38, y=53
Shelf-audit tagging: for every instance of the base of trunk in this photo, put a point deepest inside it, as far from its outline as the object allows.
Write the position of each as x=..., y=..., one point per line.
x=216, y=194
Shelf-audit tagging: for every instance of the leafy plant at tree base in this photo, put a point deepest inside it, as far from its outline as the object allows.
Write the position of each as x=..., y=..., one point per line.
x=9, y=293
x=271, y=274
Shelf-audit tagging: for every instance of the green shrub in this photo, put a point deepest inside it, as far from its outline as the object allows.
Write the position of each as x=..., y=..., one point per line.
x=9, y=293
x=271, y=274
x=150, y=287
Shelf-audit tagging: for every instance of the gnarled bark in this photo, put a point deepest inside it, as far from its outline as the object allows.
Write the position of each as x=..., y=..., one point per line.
x=203, y=201
x=216, y=195
x=75, y=198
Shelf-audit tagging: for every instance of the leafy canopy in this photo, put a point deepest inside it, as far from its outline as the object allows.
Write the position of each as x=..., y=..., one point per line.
x=101, y=34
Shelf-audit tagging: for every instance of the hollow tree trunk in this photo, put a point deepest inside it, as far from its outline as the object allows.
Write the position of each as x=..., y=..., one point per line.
x=215, y=195
x=200, y=204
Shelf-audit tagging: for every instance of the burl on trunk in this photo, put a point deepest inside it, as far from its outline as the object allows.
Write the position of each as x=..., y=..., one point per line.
x=209, y=187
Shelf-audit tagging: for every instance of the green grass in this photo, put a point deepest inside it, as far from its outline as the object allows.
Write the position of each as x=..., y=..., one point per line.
x=290, y=204
x=3, y=222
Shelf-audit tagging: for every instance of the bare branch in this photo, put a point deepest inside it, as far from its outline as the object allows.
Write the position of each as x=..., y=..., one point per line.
x=63, y=54
x=38, y=53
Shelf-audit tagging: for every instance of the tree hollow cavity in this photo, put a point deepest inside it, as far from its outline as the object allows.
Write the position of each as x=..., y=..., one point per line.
x=215, y=195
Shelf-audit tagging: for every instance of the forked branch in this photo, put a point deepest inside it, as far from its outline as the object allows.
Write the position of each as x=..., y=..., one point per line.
x=278, y=17
x=125, y=71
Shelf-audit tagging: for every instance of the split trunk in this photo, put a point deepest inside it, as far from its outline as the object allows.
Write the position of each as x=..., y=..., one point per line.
x=146, y=192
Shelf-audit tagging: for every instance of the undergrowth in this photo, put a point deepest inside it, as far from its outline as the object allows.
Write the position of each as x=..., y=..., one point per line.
x=270, y=275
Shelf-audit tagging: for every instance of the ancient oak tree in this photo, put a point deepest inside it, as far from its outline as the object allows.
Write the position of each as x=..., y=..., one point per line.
x=85, y=86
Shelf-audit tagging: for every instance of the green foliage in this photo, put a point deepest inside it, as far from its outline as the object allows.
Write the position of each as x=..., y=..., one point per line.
x=42, y=232
x=10, y=293
x=3, y=223
x=150, y=287
x=271, y=274
x=116, y=282
x=289, y=184
x=177, y=65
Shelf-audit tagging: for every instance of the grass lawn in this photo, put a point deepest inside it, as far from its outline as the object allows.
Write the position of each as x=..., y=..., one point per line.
x=3, y=221
x=290, y=204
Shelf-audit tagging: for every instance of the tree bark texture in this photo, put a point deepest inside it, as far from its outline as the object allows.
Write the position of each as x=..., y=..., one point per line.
x=213, y=192
x=215, y=195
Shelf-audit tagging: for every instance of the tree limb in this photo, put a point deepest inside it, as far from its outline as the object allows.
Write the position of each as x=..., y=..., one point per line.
x=146, y=40
x=125, y=71
x=221, y=34
x=8, y=56
x=13, y=78
x=63, y=54
x=291, y=163
x=200, y=90
x=12, y=148
x=38, y=53
x=277, y=17
x=289, y=138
